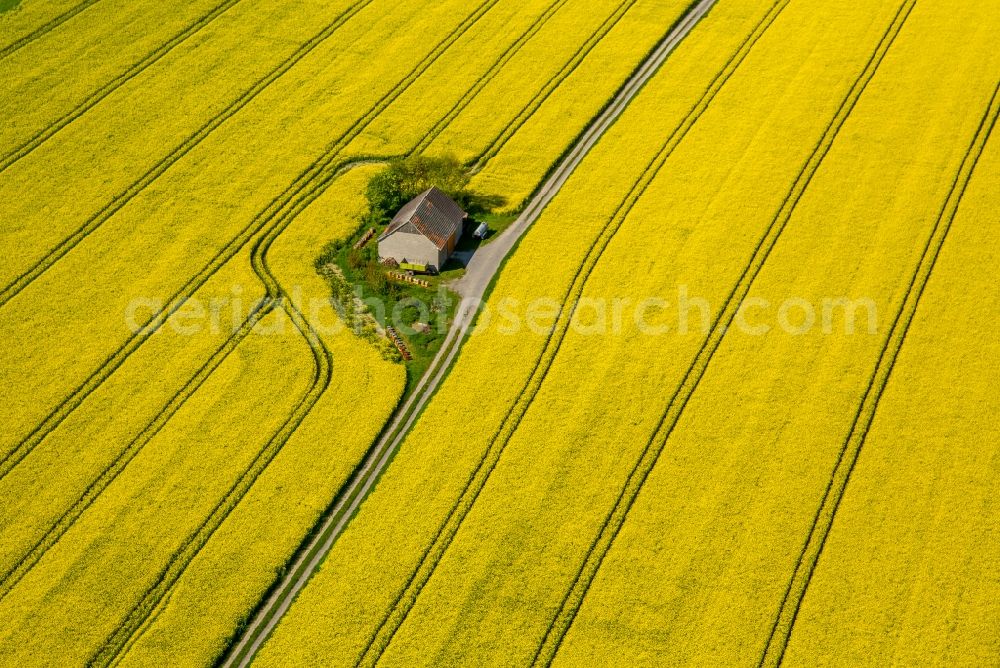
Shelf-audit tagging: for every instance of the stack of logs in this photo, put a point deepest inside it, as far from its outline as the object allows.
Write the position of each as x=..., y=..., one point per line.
x=360, y=243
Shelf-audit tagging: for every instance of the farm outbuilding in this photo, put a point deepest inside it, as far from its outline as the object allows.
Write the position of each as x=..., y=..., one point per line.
x=424, y=232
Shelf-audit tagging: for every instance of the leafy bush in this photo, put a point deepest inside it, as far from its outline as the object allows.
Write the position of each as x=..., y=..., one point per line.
x=377, y=281
x=356, y=259
x=329, y=253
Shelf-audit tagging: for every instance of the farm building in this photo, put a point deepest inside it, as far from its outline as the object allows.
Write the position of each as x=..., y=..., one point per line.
x=424, y=232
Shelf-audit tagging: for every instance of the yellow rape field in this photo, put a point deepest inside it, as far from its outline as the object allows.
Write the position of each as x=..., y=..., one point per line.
x=101, y=48
x=729, y=401
x=204, y=232
x=168, y=488
x=785, y=424
x=113, y=174
x=22, y=23
x=177, y=444
x=336, y=615
x=621, y=499
x=314, y=463
x=538, y=99
x=510, y=163
x=915, y=528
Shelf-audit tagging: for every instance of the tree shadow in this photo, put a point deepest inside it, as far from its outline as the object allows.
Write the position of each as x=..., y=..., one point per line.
x=477, y=204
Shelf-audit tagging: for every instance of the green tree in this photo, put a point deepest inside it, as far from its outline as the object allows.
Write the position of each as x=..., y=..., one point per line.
x=404, y=179
x=385, y=193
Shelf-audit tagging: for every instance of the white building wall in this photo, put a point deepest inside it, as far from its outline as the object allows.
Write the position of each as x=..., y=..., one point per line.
x=414, y=248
